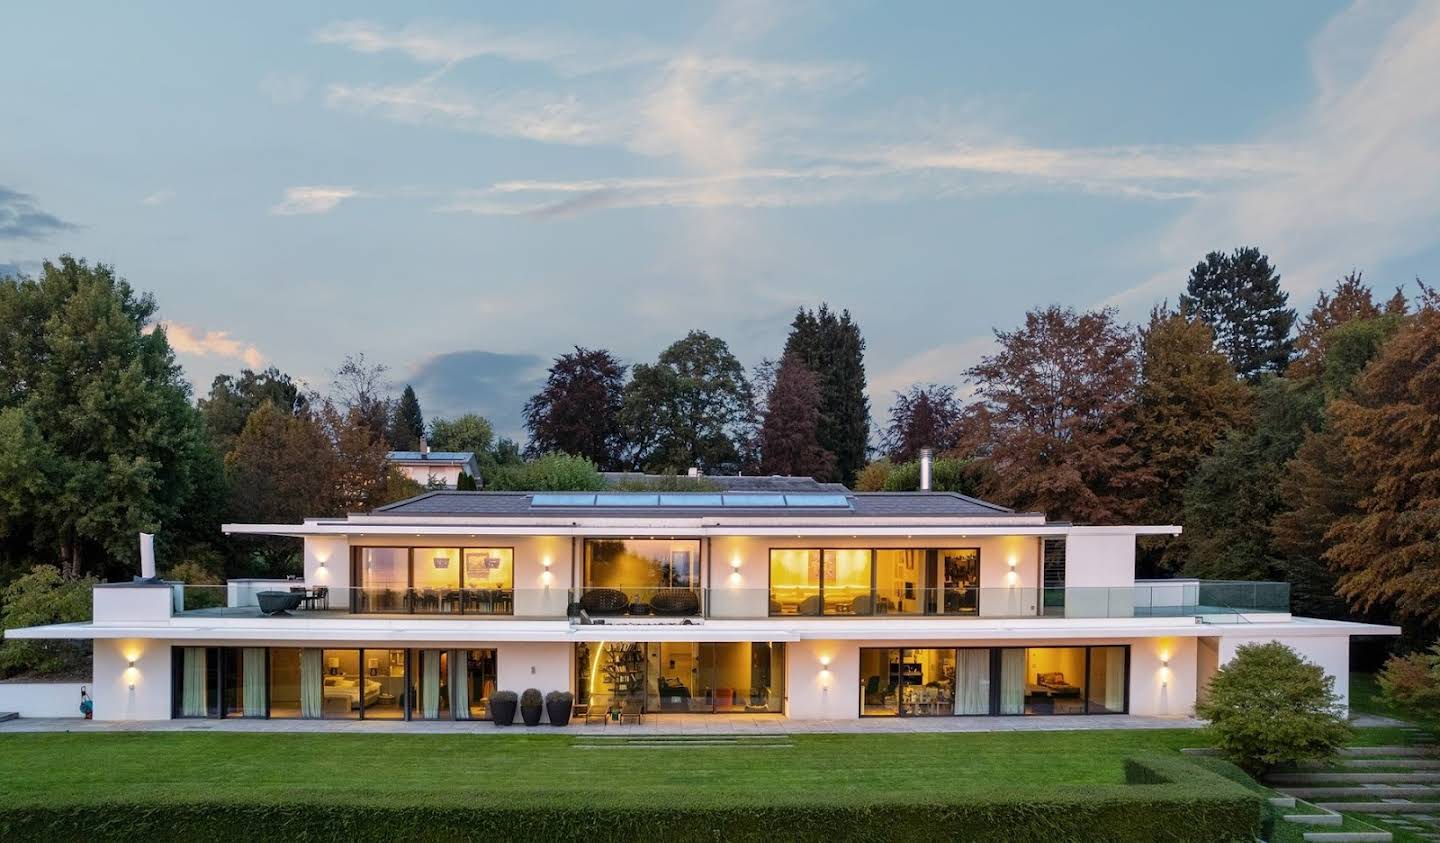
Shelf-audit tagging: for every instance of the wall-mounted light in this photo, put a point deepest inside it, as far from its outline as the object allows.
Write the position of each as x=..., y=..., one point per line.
x=825, y=663
x=1164, y=670
x=131, y=672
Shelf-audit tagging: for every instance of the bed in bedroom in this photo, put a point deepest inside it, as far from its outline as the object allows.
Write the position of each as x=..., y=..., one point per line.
x=340, y=689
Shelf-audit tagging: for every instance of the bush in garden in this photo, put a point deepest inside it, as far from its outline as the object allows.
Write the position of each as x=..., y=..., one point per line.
x=1413, y=680
x=1269, y=706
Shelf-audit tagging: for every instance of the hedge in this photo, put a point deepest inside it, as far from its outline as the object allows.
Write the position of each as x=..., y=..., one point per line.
x=1165, y=799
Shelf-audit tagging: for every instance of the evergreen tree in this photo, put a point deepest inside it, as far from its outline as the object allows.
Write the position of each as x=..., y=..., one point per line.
x=1189, y=399
x=407, y=423
x=789, y=433
x=831, y=346
x=691, y=408
x=1239, y=296
x=925, y=416
x=97, y=379
x=577, y=411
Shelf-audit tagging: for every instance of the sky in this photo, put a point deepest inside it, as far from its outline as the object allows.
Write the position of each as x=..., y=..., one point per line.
x=464, y=191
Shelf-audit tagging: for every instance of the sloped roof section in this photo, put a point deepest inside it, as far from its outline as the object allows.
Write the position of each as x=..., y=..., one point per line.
x=732, y=483
x=861, y=504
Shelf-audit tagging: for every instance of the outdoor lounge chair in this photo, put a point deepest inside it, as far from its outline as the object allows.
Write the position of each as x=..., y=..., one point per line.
x=279, y=602
x=675, y=601
x=604, y=601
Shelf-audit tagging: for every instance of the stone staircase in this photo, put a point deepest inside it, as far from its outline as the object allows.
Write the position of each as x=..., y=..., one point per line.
x=1392, y=787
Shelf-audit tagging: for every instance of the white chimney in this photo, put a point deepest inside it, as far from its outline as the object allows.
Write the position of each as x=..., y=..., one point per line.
x=424, y=447
x=147, y=556
x=694, y=471
x=925, y=458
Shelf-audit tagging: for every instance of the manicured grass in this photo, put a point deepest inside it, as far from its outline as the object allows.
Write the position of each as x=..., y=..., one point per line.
x=548, y=769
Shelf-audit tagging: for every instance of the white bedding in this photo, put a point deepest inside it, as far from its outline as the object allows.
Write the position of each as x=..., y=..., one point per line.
x=341, y=688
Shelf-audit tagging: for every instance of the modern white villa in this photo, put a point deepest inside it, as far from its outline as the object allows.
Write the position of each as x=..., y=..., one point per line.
x=774, y=595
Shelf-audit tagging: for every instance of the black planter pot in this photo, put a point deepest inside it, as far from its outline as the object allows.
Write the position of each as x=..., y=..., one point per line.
x=531, y=714
x=559, y=712
x=503, y=713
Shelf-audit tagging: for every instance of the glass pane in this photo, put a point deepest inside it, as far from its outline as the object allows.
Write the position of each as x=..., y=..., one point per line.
x=483, y=668
x=640, y=566
x=794, y=582
x=562, y=500
x=244, y=681
x=199, y=682
x=384, y=574
x=674, y=678
x=972, y=682
x=817, y=500
x=344, y=687
x=1107, y=680
x=899, y=582
x=928, y=689
x=284, y=682
x=385, y=668
x=1012, y=681
x=612, y=676
x=627, y=499
x=1055, y=680
x=960, y=577
x=431, y=687
x=690, y=500
x=847, y=582
x=437, y=580
x=754, y=500
x=489, y=579
x=879, y=682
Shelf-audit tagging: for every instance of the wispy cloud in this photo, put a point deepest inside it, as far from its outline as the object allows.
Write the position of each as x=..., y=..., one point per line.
x=1363, y=162
x=22, y=219
x=201, y=343
x=312, y=200
x=159, y=197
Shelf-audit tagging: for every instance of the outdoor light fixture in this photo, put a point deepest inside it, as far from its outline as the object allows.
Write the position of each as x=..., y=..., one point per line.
x=825, y=663
x=1164, y=670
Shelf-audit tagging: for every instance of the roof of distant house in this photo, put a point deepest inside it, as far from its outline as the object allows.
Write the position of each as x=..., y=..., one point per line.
x=432, y=456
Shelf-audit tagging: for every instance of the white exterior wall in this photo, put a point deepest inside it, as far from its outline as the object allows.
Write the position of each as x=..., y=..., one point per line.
x=327, y=563
x=131, y=601
x=545, y=666
x=1099, y=570
x=1331, y=652
x=815, y=691
x=42, y=699
x=1158, y=688
x=114, y=696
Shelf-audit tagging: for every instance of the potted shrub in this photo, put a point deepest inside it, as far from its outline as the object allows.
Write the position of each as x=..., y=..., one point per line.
x=531, y=704
x=502, y=707
x=559, y=704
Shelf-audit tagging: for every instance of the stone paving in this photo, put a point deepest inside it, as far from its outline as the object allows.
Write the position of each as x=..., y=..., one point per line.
x=661, y=724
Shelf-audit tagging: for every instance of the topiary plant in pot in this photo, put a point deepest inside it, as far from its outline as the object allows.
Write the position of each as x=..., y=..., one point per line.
x=502, y=707
x=559, y=704
x=531, y=705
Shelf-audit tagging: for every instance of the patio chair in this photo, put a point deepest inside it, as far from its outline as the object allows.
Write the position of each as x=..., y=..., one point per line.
x=675, y=602
x=633, y=709
x=604, y=601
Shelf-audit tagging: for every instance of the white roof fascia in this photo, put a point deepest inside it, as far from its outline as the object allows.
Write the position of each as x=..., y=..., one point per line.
x=692, y=527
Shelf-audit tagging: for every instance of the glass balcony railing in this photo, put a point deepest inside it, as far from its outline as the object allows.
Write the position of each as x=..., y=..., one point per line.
x=1213, y=601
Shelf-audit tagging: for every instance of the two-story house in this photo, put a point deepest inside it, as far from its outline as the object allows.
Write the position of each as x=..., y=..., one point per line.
x=801, y=599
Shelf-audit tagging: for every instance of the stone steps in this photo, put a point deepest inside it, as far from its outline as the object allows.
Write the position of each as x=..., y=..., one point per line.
x=1390, y=751
x=1346, y=777
x=1386, y=791
x=1348, y=836
x=1398, y=807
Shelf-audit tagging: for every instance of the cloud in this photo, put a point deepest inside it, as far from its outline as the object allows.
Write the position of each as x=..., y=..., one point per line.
x=200, y=343
x=1364, y=166
x=284, y=88
x=312, y=200
x=22, y=219
x=493, y=384
x=944, y=363
x=159, y=197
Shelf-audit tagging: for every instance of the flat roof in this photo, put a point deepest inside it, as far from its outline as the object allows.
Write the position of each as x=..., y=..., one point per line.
x=590, y=505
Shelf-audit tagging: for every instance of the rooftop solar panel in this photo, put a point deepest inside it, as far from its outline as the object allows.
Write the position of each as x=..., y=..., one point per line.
x=562, y=500
x=758, y=501
x=691, y=500
x=627, y=499
x=817, y=500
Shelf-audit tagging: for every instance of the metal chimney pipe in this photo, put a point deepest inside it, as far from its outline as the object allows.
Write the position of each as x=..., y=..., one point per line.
x=147, y=556
x=424, y=448
x=925, y=458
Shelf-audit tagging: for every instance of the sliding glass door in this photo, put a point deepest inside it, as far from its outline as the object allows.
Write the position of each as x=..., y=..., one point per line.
x=681, y=677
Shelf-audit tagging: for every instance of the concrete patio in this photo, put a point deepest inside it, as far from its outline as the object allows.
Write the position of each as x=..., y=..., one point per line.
x=655, y=724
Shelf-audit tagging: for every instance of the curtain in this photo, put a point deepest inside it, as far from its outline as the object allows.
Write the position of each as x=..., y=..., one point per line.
x=312, y=694
x=252, y=682
x=1114, y=678
x=430, y=684
x=1012, y=680
x=972, y=678
x=193, y=701
x=459, y=685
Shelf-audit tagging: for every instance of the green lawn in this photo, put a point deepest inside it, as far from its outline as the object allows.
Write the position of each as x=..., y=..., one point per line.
x=69, y=768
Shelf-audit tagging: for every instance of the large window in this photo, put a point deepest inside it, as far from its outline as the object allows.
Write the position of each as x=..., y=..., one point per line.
x=641, y=576
x=979, y=681
x=681, y=676
x=434, y=580
x=862, y=581
x=219, y=682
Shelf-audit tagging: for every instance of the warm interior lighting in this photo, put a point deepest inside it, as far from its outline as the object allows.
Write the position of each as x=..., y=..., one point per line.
x=824, y=662
x=546, y=562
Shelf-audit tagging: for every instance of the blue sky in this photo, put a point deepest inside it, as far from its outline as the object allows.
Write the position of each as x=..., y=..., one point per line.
x=463, y=191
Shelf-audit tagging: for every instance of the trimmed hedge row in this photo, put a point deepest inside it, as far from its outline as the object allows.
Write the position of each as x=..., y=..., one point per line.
x=1165, y=799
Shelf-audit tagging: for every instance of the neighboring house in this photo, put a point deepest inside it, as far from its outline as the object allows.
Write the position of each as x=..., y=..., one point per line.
x=813, y=604
x=435, y=469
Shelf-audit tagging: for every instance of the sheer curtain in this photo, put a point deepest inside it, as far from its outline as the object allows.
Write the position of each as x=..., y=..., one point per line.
x=972, y=682
x=193, y=701
x=1012, y=680
x=459, y=685
x=430, y=684
x=312, y=694
x=253, y=681
x=1114, y=678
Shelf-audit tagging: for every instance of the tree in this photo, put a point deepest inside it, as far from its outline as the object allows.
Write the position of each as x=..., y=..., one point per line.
x=1239, y=296
x=1188, y=400
x=233, y=398
x=577, y=411
x=407, y=423
x=361, y=390
x=1268, y=706
x=465, y=483
x=789, y=432
x=691, y=408
x=81, y=357
x=362, y=479
x=1351, y=300
x=925, y=416
x=467, y=433
x=872, y=477
x=1388, y=551
x=548, y=473
x=41, y=597
x=1057, y=398
x=1234, y=493
x=831, y=346
x=947, y=474
x=1413, y=679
